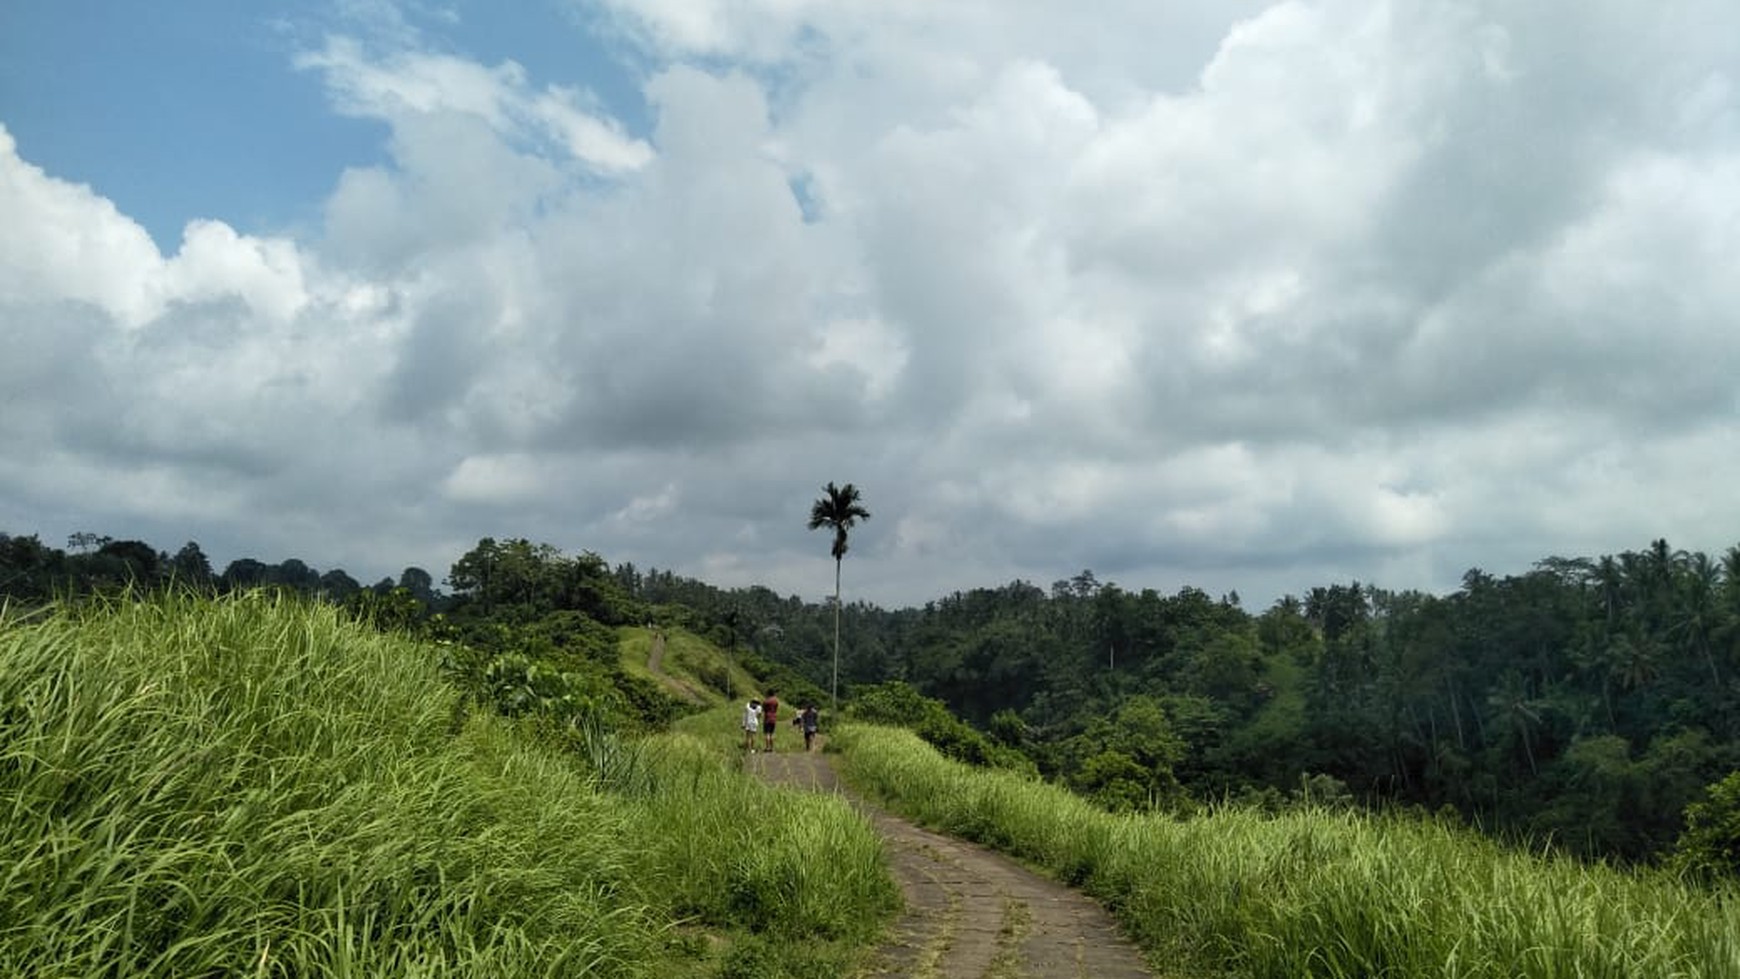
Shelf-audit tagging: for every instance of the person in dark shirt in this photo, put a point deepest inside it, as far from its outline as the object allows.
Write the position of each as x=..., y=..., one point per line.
x=769, y=716
x=810, y=721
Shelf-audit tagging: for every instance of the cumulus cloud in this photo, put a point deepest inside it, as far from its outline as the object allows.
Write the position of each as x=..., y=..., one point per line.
x=408, y=84
x=1248, y=296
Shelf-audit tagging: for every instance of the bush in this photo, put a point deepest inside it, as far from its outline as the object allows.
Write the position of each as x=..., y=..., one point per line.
x=1710, y=845
x=898, y=703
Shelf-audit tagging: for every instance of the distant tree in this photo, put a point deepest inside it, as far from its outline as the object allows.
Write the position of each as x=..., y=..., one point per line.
x=1125, y=761
x=337, y=585
x=389, y=608
x=1698, y=604
x=1514, y=710
x=419, y=583
x=1337, y=609
x=28, y=568
x=191, y=566
x=84, y=541
x=295, y=574
x=838, y=510
x=512, y=572
x=1711, y=841
x=244, y=573
x=629, y=578
x=137, y=560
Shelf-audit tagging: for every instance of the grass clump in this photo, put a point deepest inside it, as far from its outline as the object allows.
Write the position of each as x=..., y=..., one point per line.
x=260, y=786
x=797, y=878
x=255, y=786
x=1319, y=893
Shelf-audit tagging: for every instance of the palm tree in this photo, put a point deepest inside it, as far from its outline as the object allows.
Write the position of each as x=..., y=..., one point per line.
x=839, y=510
x=1511, y=702
x=1700, y=590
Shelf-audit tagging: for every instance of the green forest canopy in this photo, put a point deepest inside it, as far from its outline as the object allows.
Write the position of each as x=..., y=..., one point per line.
x=1585, y=702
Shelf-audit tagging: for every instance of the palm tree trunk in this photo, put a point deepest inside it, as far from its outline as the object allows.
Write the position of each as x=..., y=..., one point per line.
x=836, y=689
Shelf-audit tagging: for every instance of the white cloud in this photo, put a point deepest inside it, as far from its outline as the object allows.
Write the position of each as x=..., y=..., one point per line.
x=1249, y=296
x=865, y=347
x=414, y=83
x=496, y=479
x=64, y=241
x=215, y=262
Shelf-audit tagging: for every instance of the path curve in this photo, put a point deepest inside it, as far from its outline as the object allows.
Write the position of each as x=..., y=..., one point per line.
x=655, y=664
x=971, y=913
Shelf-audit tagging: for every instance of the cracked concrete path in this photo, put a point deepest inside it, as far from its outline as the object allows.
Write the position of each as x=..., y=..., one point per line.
x=972, y=913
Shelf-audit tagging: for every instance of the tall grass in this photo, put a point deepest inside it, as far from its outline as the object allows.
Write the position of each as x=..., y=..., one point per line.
x=255, y=787
x=1320, y=893
x=802, y=872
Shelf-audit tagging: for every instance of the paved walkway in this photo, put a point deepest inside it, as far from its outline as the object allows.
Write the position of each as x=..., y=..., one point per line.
x=972, y=913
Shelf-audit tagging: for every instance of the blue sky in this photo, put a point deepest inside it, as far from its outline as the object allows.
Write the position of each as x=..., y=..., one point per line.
x=1249, y=296
x=175, y=110
x=195, y=109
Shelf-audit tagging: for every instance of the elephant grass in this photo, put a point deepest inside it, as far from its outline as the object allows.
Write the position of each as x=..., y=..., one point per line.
x=787, y=859
x=1319, y=893
x=254, y=786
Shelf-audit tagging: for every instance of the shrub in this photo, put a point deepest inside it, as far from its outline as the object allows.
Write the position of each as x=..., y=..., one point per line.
x=1710, y=845
x=898, y=703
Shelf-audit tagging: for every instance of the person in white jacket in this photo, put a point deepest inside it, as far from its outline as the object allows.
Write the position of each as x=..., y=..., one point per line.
x=751, y=724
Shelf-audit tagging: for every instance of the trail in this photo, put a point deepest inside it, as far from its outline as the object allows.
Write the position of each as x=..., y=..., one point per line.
x=972, y=913
x=655, y=664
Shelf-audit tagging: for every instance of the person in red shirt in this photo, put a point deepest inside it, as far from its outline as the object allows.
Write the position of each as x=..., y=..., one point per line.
x=769, y=716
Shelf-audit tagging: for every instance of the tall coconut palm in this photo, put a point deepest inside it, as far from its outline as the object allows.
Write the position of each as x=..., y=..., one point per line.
x=840, y=511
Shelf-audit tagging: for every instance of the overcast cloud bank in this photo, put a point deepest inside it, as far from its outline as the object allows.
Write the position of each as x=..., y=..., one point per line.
x=1285, y=295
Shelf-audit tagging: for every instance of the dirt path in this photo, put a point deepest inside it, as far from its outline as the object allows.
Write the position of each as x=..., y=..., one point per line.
x=972, y=913
x=655, y=664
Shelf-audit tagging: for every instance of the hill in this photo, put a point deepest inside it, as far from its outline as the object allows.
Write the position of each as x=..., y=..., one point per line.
x=257, y=785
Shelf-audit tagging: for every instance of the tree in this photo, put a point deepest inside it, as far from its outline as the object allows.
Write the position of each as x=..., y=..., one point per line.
x=1711, y=841
x=191, y=566
x=512, y=572
x=244, y=572
x=28, y=568
x=337, y=585
x=420, y=583
x=839, y=511
x=1513, y=706
x=295, y=574
x=137, y=560
x=84, y=541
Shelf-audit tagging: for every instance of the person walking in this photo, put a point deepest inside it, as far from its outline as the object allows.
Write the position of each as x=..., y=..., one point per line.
x=769, y=716
x=751, y=724
x=810, y=721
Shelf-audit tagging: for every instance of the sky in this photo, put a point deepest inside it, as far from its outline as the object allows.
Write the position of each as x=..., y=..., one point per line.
x=1243, y=296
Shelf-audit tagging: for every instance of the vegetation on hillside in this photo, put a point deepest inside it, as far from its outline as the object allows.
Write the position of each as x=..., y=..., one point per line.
x=258, y=785
x=261, y=772
x=1585, y=703
x=1316, y=892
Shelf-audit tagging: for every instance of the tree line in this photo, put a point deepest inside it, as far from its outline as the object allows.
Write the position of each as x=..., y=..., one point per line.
x=1584, y=702
x=32, y=571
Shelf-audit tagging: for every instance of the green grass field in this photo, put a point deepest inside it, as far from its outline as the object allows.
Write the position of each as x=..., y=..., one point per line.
x=255, y=786
x=1318, y=893
x=693, y=665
